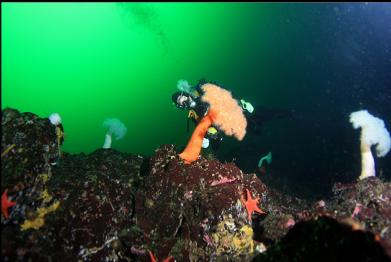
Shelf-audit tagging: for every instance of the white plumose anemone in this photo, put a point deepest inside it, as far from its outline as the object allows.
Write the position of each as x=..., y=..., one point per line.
x=373, y=132
x=114, y=127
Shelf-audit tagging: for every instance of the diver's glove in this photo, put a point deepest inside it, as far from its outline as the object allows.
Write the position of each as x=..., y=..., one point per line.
x=205, y=143
x=247, y=106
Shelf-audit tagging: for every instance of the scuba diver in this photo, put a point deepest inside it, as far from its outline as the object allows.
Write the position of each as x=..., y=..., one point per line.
x=189, y=98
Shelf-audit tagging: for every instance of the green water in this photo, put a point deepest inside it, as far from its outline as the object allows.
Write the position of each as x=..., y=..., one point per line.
x=89, y=62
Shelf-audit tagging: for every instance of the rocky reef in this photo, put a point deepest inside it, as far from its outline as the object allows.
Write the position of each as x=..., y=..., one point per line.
x=113, y=206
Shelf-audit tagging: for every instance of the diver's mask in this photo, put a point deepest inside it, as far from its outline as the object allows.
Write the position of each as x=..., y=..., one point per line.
x=185, y=101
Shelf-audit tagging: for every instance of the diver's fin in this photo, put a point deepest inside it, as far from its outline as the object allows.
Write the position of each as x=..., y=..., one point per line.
x=267, y=158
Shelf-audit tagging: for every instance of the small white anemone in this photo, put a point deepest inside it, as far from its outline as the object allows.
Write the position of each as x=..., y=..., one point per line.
x=55, y=119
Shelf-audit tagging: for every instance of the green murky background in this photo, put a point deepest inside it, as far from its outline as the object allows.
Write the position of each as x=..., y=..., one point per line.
x=92, y=61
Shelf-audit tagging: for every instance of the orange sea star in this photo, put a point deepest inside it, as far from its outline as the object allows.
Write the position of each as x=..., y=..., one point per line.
x=5, y=204
x=153, y=258
x=251, y=204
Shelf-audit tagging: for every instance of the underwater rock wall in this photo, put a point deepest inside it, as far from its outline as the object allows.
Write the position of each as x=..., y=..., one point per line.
x=194, y=212
x=68, y=208
x=28, y=146
x=113, y=206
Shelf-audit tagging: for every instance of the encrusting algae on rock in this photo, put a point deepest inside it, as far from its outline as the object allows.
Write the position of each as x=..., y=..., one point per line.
x=45, y=196
x=39, y=220
x=229, y=238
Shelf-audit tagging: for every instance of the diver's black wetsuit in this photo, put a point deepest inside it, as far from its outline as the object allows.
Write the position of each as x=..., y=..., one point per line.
x=256, y=119
x=201, y=107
